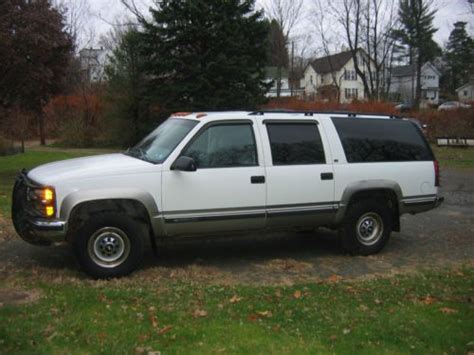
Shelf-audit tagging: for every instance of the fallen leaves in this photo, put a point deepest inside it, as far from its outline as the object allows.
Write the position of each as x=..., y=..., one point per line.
x=297, y=294
x=153, y=321
x=334, y=278
x=427, y=300
x=259, y=315
x=266, y=314
x=165, y=329
x=235, y=299
x=199, y=313
x=447, y=310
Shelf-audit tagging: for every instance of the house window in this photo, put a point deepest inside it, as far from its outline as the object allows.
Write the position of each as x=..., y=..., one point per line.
x=465, y=92
x=351, y=93
x=350, y=75
x=311, y=79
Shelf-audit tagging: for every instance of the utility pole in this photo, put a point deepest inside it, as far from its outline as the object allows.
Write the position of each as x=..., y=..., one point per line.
x=292, y=71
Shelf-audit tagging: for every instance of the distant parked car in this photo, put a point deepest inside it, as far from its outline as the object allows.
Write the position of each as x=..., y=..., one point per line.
x=452, y=105
x=402, y=107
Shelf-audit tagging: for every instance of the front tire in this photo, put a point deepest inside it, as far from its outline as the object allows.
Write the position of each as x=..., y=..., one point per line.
x=366, y=228
x=108, y=245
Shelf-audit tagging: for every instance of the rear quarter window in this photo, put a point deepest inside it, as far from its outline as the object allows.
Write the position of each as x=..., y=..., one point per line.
x=377, y=140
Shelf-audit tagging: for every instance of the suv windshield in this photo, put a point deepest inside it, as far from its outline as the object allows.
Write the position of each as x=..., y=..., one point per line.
x=156, y=147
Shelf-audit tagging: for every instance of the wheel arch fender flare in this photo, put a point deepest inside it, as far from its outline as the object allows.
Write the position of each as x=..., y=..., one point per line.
x=367, y=186
x=76, y=198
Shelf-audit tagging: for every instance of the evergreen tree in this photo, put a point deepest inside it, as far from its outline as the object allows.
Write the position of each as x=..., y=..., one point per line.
x=206, y=54
x=459, y=57
x=416, y=36
x=128, y=109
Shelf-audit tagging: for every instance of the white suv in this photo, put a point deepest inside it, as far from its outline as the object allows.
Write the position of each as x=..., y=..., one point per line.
x=232, y=172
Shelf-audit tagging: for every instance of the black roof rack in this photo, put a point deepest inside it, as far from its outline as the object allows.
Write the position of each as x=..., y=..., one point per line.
x=311, y=113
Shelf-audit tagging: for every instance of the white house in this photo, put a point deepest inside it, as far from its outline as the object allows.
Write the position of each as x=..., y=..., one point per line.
x=466, y=92
x=334, y=77
x=271, y=76
x=403, y=83
x=92, y=61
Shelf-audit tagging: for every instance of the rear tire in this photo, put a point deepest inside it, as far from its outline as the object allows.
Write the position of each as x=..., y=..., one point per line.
x=108, y=245
x=366, y=228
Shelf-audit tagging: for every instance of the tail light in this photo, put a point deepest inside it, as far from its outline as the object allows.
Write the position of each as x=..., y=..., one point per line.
x=436, y=171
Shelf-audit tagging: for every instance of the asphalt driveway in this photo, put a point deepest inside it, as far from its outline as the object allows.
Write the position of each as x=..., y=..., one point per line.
x=441, y=237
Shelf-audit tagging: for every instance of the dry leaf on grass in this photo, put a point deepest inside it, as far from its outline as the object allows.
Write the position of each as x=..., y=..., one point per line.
x=447, y=310
x=297, y=294
x=235, y=299
x=427, y=300
x=266, y=314
x=199, y=313
x=153, y=321
x=334, y=278
x=165, y=330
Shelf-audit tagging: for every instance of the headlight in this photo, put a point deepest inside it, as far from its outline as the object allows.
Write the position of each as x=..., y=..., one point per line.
x=43, y=200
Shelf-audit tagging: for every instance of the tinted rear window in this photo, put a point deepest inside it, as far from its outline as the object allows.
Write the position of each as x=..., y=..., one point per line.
x=376, y=140
x=295, y=144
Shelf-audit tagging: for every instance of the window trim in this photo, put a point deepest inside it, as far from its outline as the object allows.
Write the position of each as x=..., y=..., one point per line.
x=295, y=122
x=229, y=122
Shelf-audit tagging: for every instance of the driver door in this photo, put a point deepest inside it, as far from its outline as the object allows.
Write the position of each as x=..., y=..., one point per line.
x=227, y=191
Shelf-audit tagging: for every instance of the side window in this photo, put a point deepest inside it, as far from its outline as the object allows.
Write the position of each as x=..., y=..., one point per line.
x=295, y=143
x=224, y=145
x=376, y=140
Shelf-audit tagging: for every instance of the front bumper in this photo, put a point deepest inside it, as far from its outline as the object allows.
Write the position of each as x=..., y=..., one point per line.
x=33, y=229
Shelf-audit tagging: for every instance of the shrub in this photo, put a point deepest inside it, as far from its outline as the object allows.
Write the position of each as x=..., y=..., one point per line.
x=75, y=119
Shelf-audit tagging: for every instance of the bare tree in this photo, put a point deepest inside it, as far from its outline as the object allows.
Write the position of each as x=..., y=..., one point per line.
x=78, y=26
x=287, y=14
x=328, y=40
x=366, y=28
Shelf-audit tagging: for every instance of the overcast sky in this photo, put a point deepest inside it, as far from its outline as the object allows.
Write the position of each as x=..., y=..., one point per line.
x=105, y=12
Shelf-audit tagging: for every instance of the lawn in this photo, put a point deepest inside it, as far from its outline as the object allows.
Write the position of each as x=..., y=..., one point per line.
x=430, y=312
x=459, y=158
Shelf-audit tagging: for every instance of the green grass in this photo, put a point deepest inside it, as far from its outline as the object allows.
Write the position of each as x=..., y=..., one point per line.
x=11, y=165
x=430, y=312
x=460, y=158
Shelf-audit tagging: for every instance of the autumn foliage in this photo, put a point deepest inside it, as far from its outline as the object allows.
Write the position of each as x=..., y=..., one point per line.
x=75, y=118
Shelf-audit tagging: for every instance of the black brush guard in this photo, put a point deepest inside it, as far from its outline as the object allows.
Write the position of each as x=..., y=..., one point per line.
x=22, y=212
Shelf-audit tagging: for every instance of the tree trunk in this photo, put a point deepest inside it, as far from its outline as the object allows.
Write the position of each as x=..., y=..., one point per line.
x=418, y=84
x=278, y=81
x=40, y=119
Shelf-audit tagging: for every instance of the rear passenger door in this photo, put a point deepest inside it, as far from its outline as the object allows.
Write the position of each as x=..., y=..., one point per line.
x=300, y=180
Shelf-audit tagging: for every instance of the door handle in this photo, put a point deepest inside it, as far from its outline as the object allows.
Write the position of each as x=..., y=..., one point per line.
x=327, y=176
x=257, y=179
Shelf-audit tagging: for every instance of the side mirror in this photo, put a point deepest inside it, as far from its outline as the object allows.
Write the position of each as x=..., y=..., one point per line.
x=184, y=164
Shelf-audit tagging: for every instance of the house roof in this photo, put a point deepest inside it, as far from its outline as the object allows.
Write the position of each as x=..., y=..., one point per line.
x=465, y=86
x=271, y=72
x=404, y=70
x=410, y=70
x=331, y=63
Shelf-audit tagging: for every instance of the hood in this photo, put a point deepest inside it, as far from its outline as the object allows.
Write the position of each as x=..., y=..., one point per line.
x=87, y=167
